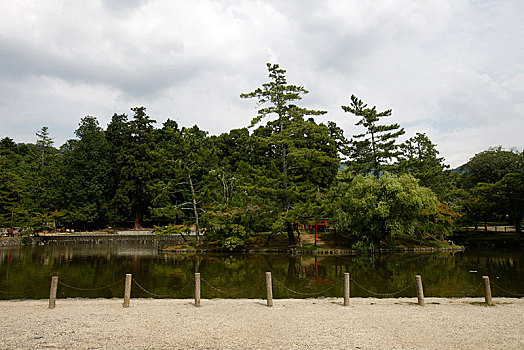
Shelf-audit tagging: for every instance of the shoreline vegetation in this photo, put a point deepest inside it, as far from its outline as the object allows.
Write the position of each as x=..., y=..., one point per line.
x=322, y=323
x=257, y=244
x=282, y=173
x=278, y=244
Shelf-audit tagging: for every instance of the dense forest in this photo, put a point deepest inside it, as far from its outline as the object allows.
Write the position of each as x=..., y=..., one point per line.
x=283, y=170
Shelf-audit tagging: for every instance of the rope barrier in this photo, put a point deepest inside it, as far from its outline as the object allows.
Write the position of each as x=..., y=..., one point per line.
x=157, y=295
x=22, y=292
x=467, y=294
x=383, y=294
x=506, y=291
x=230, y=293
x=308, y=294
x=470, y=293
x=90, y=289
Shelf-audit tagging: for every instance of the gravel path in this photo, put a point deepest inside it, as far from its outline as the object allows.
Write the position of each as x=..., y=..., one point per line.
x=248, y=324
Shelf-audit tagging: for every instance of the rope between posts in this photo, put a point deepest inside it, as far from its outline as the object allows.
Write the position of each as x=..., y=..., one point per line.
x=22, y=292
x=470, y=293
x=308, y=294
x=90, y=289
x=383, y=294
x=467, y=294
x=153, y=294
x=506, y=291
x=230, y=293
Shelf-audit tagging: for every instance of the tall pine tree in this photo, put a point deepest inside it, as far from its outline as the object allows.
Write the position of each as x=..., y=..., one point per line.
x=373, y=151
x=296, y=158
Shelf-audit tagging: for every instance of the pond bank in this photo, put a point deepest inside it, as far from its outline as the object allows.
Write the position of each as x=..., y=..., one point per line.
x=247, y=323
x=10, y=241
x=311, y=252
x=93, y=238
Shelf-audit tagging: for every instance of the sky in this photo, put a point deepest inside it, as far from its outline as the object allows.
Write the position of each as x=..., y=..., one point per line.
x=453, y=69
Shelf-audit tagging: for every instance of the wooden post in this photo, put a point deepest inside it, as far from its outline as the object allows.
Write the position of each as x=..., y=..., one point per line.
x=487, y=291
x=420, y=290
x=52, y=292
x=346, y=289
x=197, y=289
x=127, y=290
x=269, y=289
x=316, y=228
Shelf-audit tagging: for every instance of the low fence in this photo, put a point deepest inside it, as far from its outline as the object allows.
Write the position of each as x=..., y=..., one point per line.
x=345, y=278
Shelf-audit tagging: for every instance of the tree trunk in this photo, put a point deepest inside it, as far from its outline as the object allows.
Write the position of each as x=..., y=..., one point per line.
x=197, y=228
x=518, y=225
x=295, y=227
x=138, y=225
x=290, y=235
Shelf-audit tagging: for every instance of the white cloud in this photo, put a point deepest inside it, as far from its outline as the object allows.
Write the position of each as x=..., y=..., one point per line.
x=452, y=69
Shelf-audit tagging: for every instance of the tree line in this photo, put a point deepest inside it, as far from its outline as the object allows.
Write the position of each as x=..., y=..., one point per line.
x=284, y=170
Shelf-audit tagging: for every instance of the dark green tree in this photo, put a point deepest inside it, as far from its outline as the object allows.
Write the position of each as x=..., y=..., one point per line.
x=491, y=166
x=186, y=157
x=44, y=181
x=10, y=189
x=135, y=164
x=420, y=158
x=508, y=196
x=296, y=158
x=373, y=151
x=86, y=164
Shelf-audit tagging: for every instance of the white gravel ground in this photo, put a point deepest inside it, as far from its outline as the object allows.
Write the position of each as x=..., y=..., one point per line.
x=248, y=324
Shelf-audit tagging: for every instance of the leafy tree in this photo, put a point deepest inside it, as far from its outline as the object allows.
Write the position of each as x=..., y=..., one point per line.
x=374, y=209
x=227, y=225
x=508, y=196
x=186, y=157
x=420, y=158
x=491, y=166
x=374, y=150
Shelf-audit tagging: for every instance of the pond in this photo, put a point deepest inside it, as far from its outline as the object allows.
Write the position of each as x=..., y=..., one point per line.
x=94, y=271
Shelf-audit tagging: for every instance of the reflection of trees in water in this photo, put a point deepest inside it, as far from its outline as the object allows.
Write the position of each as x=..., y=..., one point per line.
x=443, y=273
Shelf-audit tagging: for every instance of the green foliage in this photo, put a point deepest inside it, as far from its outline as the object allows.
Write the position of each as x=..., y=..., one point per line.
x=172, y=230
x=226, y=225
x=492, y=186
x=135, y=165
x=419, y=157
x=491, y=166
x=365, y=247
x=86, y=163
x=508, y=198
x=373, y=151
x=295, y=158
x=271, y=177
x=374, y=209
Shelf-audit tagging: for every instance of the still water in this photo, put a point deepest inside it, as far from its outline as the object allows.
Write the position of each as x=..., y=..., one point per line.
x=94, y=271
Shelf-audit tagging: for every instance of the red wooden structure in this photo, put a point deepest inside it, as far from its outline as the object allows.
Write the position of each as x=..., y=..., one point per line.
x=322, y=222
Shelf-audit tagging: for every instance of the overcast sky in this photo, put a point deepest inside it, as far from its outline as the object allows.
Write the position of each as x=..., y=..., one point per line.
x=450, y=68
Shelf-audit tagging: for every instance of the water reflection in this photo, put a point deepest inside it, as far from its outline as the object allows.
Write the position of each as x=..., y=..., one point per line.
x=25, y=272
